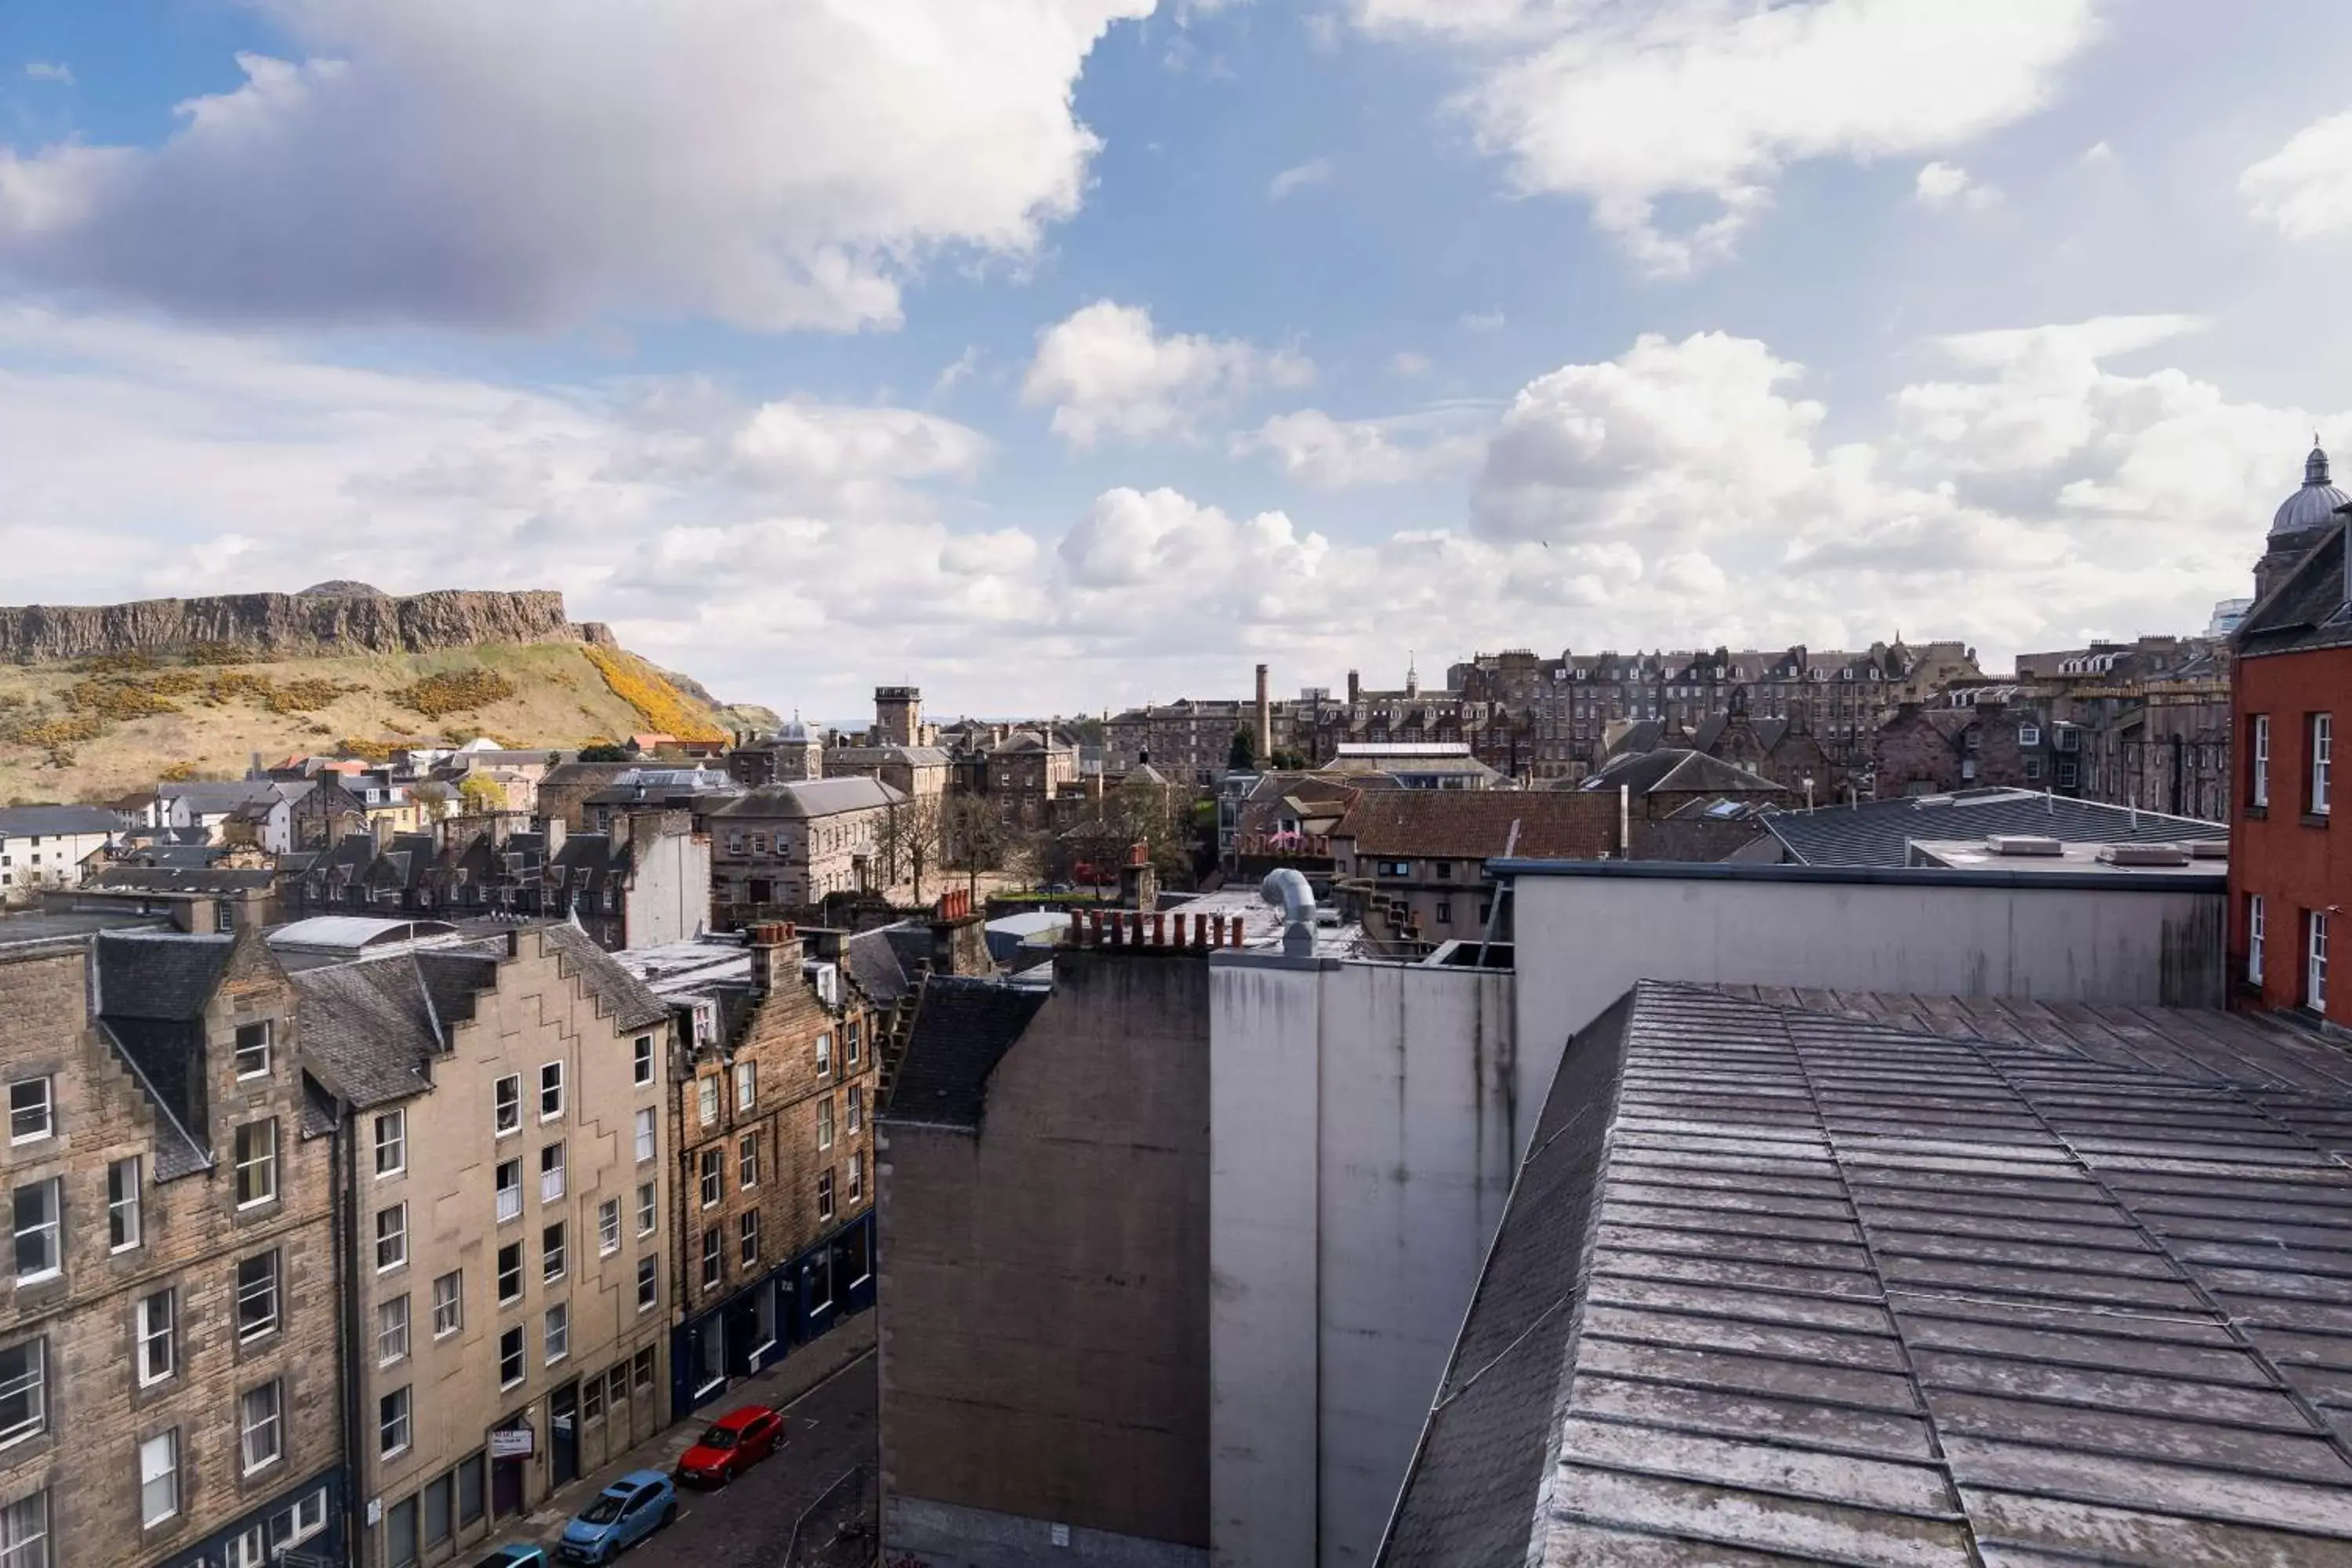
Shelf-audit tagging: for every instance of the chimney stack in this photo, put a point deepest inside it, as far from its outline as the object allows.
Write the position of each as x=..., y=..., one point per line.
x=1355, y=687
x=1264, y=723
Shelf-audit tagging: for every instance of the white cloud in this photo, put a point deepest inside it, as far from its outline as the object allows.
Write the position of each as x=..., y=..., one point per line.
x=1627, y=106
x=1314, y=172
x=49, y=71
x=958, y=372
x=506, y=164
x=1406, y=363
x=2305, y=189
x=1941, y=184
x=1482, y=320
x=1107, y=372
x=1339, y=454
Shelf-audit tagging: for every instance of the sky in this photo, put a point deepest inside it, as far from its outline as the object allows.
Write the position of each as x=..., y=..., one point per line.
x=1062, y=354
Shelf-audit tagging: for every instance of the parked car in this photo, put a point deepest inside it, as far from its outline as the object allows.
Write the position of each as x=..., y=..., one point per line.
x=623, y=1514
x=734, y=1443
x=515, y=1556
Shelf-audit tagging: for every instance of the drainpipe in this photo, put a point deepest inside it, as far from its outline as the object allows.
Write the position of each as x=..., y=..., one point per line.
x=1624, y=822
x=343, y=1156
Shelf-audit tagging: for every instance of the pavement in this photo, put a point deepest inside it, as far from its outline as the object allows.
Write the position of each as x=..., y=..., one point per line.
x=830, y=1411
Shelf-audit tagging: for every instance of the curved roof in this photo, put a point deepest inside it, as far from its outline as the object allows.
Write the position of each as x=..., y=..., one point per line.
x=351, y=933
x=2313, y=506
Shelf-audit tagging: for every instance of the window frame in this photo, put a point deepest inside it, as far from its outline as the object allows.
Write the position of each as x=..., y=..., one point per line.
x=264, y=1048
x=747, y=1161
x=825, y=1122
x=449, y=1304
x=33, y=1384
x=552, y=1174
x=706, y=1098
x=47, y=1109
x=391, y=1319
x=2257, y=937
x=555, y=1333
x=396, y=1236
x=396, y=1120
x=2315, y=962
x=714, y=1258
x=503, y=1274
x=520, y=1356
x=554, y=1253
x=506, y=1106
x=500, y=1187
x=646, y=1146
x=265, y=1162
x=52, y=1226
x=641, y=1062
x=648, y=1283
x=824, y=1203
x=148, y=1518
x=2258, y=752
x=126, y=1220
x=746, y=1087
x=269, y=1285
x=551, y=1086
x=2321, y=735
x=608, y=1227
x=649, y=1207
x=146, y=1336
x=274, y=1424
x=747, y=1240
x=711, y=1177
x=394, y=1411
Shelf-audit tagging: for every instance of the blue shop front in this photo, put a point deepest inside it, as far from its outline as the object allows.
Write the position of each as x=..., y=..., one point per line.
x=764, y=1321
x=302, y=1526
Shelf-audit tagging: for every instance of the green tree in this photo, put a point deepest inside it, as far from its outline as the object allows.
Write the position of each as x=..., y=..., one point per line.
x=478, y=792
x=1241, y=755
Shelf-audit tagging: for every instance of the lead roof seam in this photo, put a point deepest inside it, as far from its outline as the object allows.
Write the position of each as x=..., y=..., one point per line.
x=2228, y=1321
x=1903, y=1349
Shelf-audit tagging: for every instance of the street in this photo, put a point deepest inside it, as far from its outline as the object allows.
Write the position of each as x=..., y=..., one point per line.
x=748, y=1524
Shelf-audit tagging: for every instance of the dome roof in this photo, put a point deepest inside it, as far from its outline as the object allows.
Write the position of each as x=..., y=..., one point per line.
x=2313, y=506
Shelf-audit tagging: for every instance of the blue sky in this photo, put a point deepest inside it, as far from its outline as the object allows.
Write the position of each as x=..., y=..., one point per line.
x=1059, y=354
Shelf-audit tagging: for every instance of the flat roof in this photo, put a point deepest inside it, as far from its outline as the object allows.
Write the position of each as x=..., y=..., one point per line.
x=42, y=925
x=1972, y=854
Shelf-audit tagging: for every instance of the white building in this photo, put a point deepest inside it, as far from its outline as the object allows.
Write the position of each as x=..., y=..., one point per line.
x=43, y=845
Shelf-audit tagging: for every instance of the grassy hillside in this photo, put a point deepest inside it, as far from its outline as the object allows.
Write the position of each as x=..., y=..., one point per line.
x=95, y=729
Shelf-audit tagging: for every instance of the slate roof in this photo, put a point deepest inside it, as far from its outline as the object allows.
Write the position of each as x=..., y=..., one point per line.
x=1479, y=825
x=882, y=962
x=811, y=797
x=962, y=1028
x=369, y=1028
x=1673, y=770
x=2306, y=611
x=1793, y=1283
x=162, y=975
x=1874, y=832
x=131, y=879
x=625, y=997
x=26, y=821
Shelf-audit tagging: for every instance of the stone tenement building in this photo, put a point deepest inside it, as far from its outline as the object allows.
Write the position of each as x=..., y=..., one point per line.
x=1188, y=740
x=775, y=1174
x=168, y=1348
x=510, y=1196
x=785, y=846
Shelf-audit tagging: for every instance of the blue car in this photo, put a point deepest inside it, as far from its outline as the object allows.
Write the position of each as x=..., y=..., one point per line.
x=623, y=1514
x=515, y=1557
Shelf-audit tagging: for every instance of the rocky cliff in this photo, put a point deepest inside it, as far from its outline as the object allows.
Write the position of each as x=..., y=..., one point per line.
x=334, y=618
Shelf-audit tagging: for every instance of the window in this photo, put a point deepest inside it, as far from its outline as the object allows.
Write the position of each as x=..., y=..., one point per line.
x=2068, y=773
x=645, y=1135
x=449, y=1303
x=616, y=1386
x=392, y=1331
x=2314, y=962
x=509, y=1189
x=734, y=844
x=825, y=1194
x=746, y=1236
x=747, y=1085
x=123, y=1230
x=649, y=1284
x=436, y=1509
x=40, y=1252
x=550, y=1252
x=714, y=1259
x=259, y=1438
x=643, y=1060
x=556, y=1333
x=550, y=1174
x=391, y=1143
x=2322, y=758
x=551, y=1092
x=2255, y=933
x=823, y=1053
x=641, y=1370
x=510, y=1358
x=1445, y=870
x=825, y=1122
x=706, y=1098
x=2258, y=766
x=714, y=1176
x=392, y=1423
x=856, y=1175
x=25, y=1533
x=470, y=1490
x=592, y=1399
x=159, y=1316
x=30, y=1115
x=2032, y=768
x=256, y=1295
x=747, y=1160
x=252, y=1049
x=24, y=1390
x=849, y=1043
x=390, y=1238
x=256, y=1164
x=608, y=1227
x=510, y=1273
x=2028, y=734
x=506, y=1105
x=159, y=1479
x=857, y=1092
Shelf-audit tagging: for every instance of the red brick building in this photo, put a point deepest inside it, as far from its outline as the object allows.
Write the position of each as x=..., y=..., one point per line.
x=2290, y=869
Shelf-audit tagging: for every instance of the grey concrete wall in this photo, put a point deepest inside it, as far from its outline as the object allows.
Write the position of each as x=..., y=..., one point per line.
x=1044, y=1290
x=944, y=1535
x=1364, y=1127
x=1582, y=940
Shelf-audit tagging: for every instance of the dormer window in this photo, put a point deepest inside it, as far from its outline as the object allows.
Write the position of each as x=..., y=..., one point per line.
x=252, y=1049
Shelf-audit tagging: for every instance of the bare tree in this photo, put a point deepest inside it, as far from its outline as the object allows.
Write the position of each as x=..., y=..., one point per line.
x=977, y=837
x=911, y=834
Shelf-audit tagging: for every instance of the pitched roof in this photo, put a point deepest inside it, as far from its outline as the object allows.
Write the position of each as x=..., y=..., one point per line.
x=1877, y=832
x=962, y=1028
x=1780, y=1283
x=810, y=798
x=1675, y=769
x=882, y=960
x=29, y=820
x=631, y=1004
x=167, y=976
x=2307, y=610
x=369, y=1027
x=1481, y=824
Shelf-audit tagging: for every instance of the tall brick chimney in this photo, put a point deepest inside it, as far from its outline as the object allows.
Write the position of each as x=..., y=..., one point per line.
x=1264, y=723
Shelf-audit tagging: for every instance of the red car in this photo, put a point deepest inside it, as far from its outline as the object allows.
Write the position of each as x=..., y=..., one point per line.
x=734, y=1443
